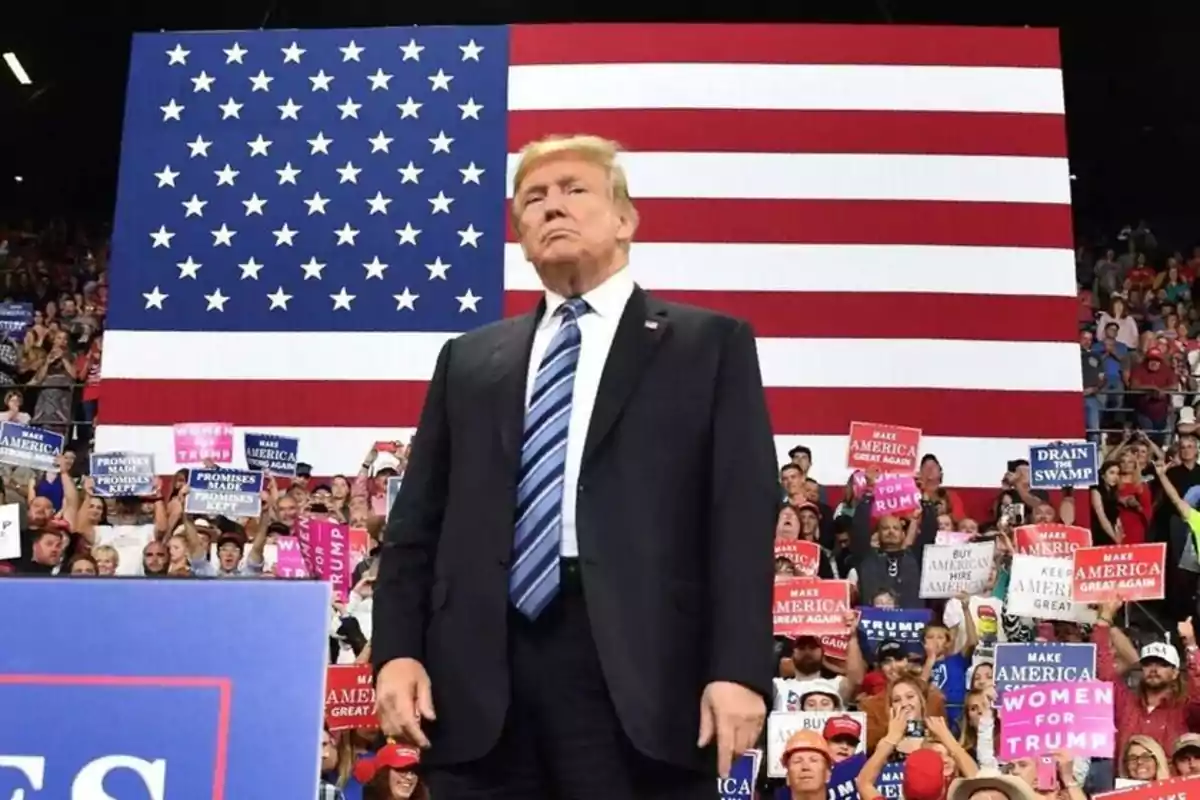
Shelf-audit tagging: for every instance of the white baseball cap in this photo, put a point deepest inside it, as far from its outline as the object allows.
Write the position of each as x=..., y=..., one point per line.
x=1160, y=651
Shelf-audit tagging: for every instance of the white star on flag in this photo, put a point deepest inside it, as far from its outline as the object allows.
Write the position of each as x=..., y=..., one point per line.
x=470, y=51
x=189, y=268
x=260, y=82
x=320, y=81
x=341, y=299
x=410, y=173
x=409, y=108
x=412, y=50
x=375, y=268
x=379, y=80
x=279, y=299
x=162, y=237
x=154, y=298
x=178, y=55
x=471, y=173
x=440, y=81
x=292, y=53
x=194, y=207
x=349, y=108
x=378, y=203
x=166, y=177
x=216, y=301
x=349, y=173
x=202, y=82
x=346, y=235
x=234, y=54
x=199, y=147
x=437, y=269
x=231, y=108
x=312, y=268
x=351, y=52
x=408, y=234
x=258, y=147
x=225, y=175
x=172, y=111
x=379, y=143
x=470, y=236
x=468, y=302
x=316, y=204
x=223, y=236
x=254, y=205
x=441, y=203
x=250, y=269
x=284, y=235
x=287, y=174
x=441, y=142
x=289, y=110
x=320, y=144
x=405, y=300
x=470, y=109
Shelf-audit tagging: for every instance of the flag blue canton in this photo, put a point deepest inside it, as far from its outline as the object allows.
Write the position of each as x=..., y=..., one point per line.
x=332, y=180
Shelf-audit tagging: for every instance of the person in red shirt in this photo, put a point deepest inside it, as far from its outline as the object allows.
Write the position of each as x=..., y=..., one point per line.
x=1143, y=274
x=1134, y=500
x=1153, y=381
x=1165, y=705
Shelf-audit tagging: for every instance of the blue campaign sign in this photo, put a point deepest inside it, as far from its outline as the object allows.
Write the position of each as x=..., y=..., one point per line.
x=742, y=776
x=901, y=624
x=841, y=780
x=274, y=454
x=123, y=474
x=15, y=318
x=1020, y=665
x=224, y=492
x=146, y=706
x=27, y=446
x=891, y=781
x=1059, y=464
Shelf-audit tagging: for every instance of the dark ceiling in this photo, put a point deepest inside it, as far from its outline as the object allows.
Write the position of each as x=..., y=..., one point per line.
x=1131, y=83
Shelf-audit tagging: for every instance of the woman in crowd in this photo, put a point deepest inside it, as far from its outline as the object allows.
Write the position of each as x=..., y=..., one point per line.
x=1106, y=505
x=391, y=774
x=1143, y=759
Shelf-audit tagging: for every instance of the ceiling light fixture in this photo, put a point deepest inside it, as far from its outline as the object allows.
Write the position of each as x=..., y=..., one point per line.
x=18, y=71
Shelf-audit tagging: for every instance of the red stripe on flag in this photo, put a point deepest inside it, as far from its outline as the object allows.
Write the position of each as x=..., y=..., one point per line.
x=635, y=43
x=820, y=411
x=872, y=315
x=895, y=222
x=749, y=131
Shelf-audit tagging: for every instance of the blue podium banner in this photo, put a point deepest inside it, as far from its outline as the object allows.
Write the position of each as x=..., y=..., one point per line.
x=187, y=689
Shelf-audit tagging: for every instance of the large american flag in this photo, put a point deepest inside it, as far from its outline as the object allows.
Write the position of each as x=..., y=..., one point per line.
x=304, y=217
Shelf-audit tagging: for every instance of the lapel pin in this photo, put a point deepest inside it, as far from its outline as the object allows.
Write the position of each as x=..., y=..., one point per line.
x=652, y=324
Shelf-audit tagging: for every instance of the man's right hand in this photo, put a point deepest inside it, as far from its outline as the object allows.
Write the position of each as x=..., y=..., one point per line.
x=404, y=697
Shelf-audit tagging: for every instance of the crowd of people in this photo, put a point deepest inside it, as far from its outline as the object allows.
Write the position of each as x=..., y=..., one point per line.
x=922, y=710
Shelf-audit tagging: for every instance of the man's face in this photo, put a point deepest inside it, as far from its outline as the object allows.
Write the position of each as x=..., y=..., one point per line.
x=1044, y=514
x=807, y=772
x=791, y=480
x=808, y=656
x=1086, y=340
x=891, y=533
x=286, y=509
x=812, y=490
x=1187, y=448
x=566, y=214
x=48, y=548
x=1158, y=674
x=1187, y=762
x=154, y=558
x=894, y=668
x=40, y=512
x=803, y=461
x=229, y=554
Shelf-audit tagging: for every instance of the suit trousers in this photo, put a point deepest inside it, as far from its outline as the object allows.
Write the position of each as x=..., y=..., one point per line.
x=562, y=739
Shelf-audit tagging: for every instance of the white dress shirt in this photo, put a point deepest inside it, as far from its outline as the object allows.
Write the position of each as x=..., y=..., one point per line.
x=596, y=331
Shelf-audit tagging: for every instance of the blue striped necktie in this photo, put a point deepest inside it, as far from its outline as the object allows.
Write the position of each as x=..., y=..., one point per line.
x=533, y=578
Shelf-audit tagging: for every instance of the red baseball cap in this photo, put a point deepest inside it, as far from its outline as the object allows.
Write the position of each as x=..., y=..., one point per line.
x=923, y=779
x=845, y=727
x=395, y=756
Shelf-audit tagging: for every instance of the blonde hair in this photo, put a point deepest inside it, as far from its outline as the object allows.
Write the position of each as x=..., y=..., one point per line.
x=1162, y=769
x=107, y=550
x=593, y=149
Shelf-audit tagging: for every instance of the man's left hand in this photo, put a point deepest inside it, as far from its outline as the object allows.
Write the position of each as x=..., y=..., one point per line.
x=734, y=715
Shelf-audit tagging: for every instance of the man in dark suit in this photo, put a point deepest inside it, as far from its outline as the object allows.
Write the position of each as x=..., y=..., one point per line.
x=577, y=574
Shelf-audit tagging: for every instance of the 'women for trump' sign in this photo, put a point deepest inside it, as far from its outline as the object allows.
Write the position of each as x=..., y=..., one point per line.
x=1072, y=717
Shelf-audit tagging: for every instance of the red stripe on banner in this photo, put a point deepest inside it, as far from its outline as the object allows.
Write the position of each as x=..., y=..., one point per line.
x=870, y=315
x=820, y=411
x=896, y=222
x=751, y=131
x=634, y=43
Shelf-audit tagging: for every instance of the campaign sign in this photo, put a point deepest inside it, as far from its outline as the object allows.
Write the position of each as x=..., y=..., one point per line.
x=107, y=711
x=1072, y=717
x=1170, y=789
x=197, y=442
x=803, y=558
x=1128, y=571
x=1051, y=539
x=350, y=697
x=27, y=446
x=810, y=607
x=224, y=492
x=903, y=625
x=274, y=454
x=742, y=775
x=123, y=474
x=841, y=779
x=15, y=318
x=891, y=781
x=1059, y=464
x=782, y=725
x=891, y=448
x=1020, y=665
x=896, y=496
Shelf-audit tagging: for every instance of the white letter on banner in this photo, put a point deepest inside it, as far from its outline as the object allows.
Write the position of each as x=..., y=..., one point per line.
x=32, y=767
x=89, y=783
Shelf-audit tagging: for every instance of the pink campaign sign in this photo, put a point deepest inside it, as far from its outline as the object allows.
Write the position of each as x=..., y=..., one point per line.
x=197, y=442
x=895, y=495
x=1040, y=719
x=325, y=549
x=289, y=563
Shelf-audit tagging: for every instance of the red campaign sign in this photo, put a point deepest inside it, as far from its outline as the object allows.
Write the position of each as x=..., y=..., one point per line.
x=835, y=647
x=349, y=697
x=811, y=607
x=1051, y=539
x=1169, y=789
x=805, y=557
x=892, y=448
x=1126, y=571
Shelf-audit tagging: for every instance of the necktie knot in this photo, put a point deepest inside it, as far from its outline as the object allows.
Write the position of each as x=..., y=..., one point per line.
x=574, y=308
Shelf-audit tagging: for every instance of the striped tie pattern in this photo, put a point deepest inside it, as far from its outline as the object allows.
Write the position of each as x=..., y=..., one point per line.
x=533, y=578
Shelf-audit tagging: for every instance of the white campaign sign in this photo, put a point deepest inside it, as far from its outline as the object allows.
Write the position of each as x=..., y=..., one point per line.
x=782, y=724
x=10, y=531
x=1040, y=587
x=948, y=570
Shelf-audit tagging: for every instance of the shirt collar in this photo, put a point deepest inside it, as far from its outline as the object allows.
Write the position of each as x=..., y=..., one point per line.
x=607, y=300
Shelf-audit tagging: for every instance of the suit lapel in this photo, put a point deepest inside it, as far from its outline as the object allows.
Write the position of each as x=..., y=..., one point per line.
x=509, y=369
x=639, y=332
